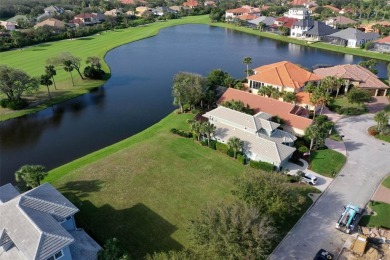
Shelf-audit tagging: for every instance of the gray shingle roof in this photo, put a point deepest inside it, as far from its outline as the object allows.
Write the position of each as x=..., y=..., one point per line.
x=31, y=222
x=355, y=34
x=320, y=29
x=263, y=19
x=304, y=23
x=8, y=192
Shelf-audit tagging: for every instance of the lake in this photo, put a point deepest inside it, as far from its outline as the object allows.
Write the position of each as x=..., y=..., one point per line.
x=139, y=92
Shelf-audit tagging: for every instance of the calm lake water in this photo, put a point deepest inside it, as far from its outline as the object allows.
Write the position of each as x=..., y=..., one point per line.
x=139, y=92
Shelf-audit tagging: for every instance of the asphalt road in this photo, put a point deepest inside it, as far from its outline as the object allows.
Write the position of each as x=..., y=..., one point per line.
x=368, y=162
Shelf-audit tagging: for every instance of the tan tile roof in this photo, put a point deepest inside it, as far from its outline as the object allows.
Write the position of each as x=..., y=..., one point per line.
x=283, y=73
x=284, y=110
x=353, y=72
x=247, y=17
x=51, y=22
x=191, y=3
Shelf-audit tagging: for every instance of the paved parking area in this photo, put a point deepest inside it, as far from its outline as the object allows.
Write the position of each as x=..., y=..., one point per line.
x=322, y=181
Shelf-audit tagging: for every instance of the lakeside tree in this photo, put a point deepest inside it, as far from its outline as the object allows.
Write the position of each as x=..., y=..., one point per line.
x=188, y=89
x=93, y=69
x=31, y=175
x=51, y=72
x=13, y=84
x=235, y=144
x=68, y=60
x=358, y=96
x=247, y=61
x=216, y=78
x=233, y=231
x=69, y=68
x=46, y=81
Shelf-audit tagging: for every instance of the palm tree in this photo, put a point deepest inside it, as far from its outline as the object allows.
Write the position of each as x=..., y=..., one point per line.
x=382, y=118
x=275, y=93
x=265, y=91
x=289, y=97
x=45, y=80
x=339, y=83
x=68, y=68
x=196, y=128
x=247, y=61
x=236, y=145
x=209, y=129
x=312, y=132
x=31, y=175
x=50, y=70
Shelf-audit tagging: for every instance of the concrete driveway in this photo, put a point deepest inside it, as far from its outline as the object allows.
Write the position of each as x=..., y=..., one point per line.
x=322, y=181
x=368, y=162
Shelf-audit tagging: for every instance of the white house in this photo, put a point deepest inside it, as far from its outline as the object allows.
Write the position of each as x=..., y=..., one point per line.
x=9, y=26
x=263, y=141
x=298, y=13
x=300, y=27
x=351, y=37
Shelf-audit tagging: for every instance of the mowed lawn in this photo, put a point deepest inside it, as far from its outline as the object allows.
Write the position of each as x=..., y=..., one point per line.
x=146, y=189
x=33, y=60
x=381, y=218
x=327, y=162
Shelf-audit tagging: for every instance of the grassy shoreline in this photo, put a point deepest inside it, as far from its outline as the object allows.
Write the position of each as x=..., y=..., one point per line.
x=33, y=59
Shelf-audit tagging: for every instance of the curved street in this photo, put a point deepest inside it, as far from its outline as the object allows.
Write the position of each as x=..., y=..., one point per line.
x=368, y=162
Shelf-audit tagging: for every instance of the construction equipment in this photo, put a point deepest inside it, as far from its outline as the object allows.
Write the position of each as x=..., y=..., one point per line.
x=349, y=219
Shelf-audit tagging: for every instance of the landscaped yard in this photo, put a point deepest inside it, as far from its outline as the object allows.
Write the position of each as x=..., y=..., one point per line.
x=381, y=219
x=343, y=102
x=146, y=189
x=326, y=162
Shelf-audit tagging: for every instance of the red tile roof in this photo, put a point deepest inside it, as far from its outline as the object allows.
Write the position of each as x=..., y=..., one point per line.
x=290, y=113
x=238, y=11
x=247, y=17
x=283, y=73
x=286, y=21
x=384, y=40
x=191, y=3
x=299, y=2
x=83, y=16
x=303, y=98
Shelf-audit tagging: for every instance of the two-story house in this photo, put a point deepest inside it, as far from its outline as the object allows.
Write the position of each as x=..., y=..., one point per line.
x=39, y=224
x=298, y=13
x=263, y=141
x=300, y=27
x=231, y=14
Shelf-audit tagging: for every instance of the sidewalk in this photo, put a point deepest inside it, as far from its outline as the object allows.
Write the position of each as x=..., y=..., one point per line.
x=382, y=194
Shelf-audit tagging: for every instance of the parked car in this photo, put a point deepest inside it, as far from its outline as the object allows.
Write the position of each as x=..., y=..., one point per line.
x=307, y=177
x=323, y=255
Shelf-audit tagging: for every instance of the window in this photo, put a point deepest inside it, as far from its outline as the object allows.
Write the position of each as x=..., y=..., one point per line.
x=57, y=255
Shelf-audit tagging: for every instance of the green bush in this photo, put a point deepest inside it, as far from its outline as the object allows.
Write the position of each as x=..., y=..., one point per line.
x=213, y=144
x=13, y=104
x=241, y=158
x=181, y=133
x=230, y=153
x=261, y=166
x=223, y=148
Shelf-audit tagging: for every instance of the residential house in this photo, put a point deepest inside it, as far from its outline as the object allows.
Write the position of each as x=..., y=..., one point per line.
x=286, y=22
x=9, y=26
x=382, y=45
x=305, y=3
x=210, y=3
x=298, y=13
x=113, y=12
x=340, y=21
x=39, y=224
x=300, y=27
x=86, y=19
x=191, y=3
x=263, y=141
x=267, y=20
x=357, y=76
x=283, y=75
x=134, y=2
x=16, y=18
x=350, y=37
x=295, y=118
x=140, y=10
x=53, y=10
x=162, y=10
x=319, y=30
x=332, y=8
x=55, y=23
x=244, y=10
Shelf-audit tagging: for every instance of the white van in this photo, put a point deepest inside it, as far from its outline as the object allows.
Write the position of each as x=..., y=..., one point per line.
x=308, y=178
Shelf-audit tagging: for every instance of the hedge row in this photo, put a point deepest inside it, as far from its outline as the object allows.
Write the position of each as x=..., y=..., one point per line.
x=181, y=133
x=262, y=166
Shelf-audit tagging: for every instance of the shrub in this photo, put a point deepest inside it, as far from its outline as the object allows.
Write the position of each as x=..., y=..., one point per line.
x=213, y=144
x=303, y=149
x=241, y=158
x=203, y=142
x=230, y=153
x=262, y=166
x=13, y=104
x=181, y=133
x=223, y=148
x=372, y=131
x=93, y=72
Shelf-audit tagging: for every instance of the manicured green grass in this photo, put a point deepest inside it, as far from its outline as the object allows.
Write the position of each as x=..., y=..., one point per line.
x=326, y=162
x=381, y=219
x=343, y=102
x=33, y=59
x=145, y=189
x=386, y=182
x=385, y=138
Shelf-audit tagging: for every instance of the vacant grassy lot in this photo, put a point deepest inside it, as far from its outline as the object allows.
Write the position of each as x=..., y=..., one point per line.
x=145, y=189
x=326, y=162
x=33, y=60
x=381, y=219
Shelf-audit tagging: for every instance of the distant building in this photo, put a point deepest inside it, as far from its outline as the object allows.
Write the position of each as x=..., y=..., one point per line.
x=191, y=3
x=298, y=13
x=284, y=22
x=382, y=45
x=39, y=224
x=113, y=12
x=9, y=26
x=268, y=21
x=244, y=10
x=350, y=37
x=339, y=21
x=55, y=23
x=318, y=31
x=162, y=10
x=53, y=10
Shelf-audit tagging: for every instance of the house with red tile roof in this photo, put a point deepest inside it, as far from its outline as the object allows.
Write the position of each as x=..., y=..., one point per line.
x=382, y=45
x=283, y=75
x=210, y=3
x=191, y=3
x=357, y=76
x=285, y=22
x=87, y=19
x=244, y=10
x=295, y=118
x=55, y=23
